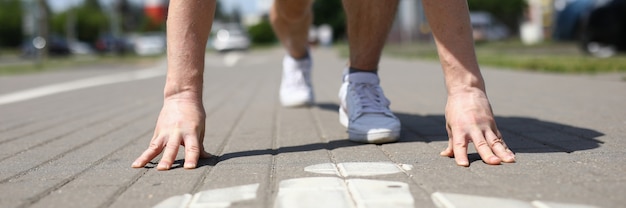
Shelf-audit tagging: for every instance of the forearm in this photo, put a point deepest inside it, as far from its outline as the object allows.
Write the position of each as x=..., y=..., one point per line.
x=188, y=27
x=449, y=21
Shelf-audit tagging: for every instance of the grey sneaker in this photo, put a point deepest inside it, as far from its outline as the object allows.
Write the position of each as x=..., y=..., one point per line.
x=365, y=110
x=295, y=88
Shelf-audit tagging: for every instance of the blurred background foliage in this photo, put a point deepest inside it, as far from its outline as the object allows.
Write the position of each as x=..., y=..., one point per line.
x=508, y=11
x=89, y=19
x=10, y=23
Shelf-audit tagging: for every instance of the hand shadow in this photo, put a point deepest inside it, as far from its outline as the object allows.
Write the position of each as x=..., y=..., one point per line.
x=521, y=134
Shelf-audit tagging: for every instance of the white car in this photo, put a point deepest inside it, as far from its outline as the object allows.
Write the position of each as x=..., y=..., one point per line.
x=149, y=44
x=230, y=37
x=486, y=28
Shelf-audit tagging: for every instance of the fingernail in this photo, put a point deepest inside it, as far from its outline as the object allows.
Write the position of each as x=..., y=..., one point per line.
x=495, y=160
x=163, y=167
x=189, y=166
x=512, y=158
x=135, y=165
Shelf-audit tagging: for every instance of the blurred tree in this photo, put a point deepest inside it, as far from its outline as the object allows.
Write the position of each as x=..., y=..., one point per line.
x=10, y=23
x=130, y=16
x=330, y=12
x=59, y=21
x=509, y=12
x=90, y=21
x=219, y=11
x=233, y=17
x=262, y=32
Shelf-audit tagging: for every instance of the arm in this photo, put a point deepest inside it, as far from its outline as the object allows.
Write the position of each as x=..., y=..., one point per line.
x=469, y=117
x=181, y=121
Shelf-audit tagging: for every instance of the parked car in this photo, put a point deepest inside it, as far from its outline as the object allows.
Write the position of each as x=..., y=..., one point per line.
x=112, y=44
x=486, y=28
x=78, y=47
x=604, y=29
x=56, y=45
x=230, y=37
x=149, y=44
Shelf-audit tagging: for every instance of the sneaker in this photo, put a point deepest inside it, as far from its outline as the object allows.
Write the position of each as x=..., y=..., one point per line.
x=365, y=110
x=295, y=87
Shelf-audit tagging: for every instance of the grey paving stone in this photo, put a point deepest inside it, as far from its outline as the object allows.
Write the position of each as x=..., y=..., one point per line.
x=567, y=136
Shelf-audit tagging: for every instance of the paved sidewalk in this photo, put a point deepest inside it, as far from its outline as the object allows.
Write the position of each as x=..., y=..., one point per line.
x=73, y=147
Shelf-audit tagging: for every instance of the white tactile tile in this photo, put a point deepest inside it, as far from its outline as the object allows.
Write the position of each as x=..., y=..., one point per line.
x=544, y=204
x=377, y=193
x=180, y=201
x=215, y=198
x=450, y=200
x=336, y=192
x=312, y=192
x=324, y=168
x=358, y=168
x=223, y=197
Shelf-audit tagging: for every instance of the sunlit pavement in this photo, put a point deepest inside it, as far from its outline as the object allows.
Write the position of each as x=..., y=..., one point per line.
x=67, y=139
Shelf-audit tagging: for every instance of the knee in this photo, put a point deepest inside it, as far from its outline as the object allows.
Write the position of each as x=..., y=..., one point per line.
x=290, y=10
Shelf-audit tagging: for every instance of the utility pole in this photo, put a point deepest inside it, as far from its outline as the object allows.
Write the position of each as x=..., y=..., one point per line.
x=41, y=41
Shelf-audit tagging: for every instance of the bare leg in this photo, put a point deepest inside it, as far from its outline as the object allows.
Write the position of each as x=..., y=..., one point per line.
x=291, y=21
x=369, y=23
x=364, y=109
x=468, y=113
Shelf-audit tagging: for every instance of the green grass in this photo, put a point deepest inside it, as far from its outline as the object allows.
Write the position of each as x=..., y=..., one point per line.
x=545, y=57
x=75, y=62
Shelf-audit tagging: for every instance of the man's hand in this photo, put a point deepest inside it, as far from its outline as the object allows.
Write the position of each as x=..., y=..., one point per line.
x=181, y=122
x=469, y=119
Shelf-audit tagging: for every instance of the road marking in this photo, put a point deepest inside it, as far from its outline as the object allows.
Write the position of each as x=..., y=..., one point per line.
x=80, y=84
x=544, y=204
x=175, y=201
x=337, y=192
x=348, y=192
x=215, y=198
x=231, y=58
x=358, y=168
x=450, y=200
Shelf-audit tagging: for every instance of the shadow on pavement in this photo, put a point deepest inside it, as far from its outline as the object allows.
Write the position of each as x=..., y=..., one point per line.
x=521, y=134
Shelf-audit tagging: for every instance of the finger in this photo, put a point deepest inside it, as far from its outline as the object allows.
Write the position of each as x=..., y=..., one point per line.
x=153, y=150
x=448, y=151
x=459, y=145
x=499, y=147
x=192, y=152
x=484, y=150
x=169, y=154
x=203, y=153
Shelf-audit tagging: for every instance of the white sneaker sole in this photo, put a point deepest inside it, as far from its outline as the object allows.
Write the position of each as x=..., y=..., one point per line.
x=373, y=136
x=295, y=104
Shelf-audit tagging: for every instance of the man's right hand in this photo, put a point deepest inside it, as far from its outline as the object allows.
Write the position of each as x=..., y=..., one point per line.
x=181, y=122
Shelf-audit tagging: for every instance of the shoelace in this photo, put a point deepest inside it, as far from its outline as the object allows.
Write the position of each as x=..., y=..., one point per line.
x=370, y=98
x=295, y=78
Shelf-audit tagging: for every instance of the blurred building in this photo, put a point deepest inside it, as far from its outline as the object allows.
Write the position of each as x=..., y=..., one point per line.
x=156, y=11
